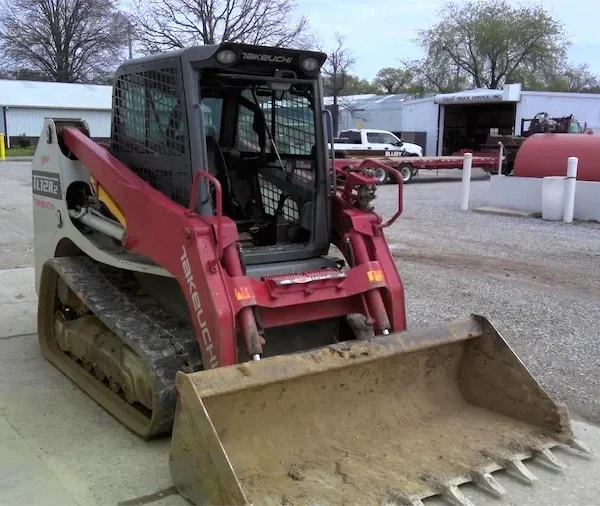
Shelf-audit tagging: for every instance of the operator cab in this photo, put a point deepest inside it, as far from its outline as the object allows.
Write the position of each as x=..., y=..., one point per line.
x=250, y=116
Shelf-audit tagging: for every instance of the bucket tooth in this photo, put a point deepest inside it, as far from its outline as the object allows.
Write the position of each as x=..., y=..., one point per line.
x=521, y=471
x=545, y=455
x=404, y=500
x=578, y=445
x=454, y=495
x=488, y=483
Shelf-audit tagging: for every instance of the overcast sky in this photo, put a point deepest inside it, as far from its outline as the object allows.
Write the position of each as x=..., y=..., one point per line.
x=380, y=31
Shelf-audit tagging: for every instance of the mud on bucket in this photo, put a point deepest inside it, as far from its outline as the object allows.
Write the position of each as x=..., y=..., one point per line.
x=369, y=422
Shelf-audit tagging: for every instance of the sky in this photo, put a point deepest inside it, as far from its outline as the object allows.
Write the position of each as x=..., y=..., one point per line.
x=380, y=32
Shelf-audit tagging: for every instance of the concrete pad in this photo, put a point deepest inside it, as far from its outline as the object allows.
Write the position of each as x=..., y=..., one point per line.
x=95, y=459
x=24, y=478
x=16, y=216
x=576, y=485
x=505, y=211
x=18, y=302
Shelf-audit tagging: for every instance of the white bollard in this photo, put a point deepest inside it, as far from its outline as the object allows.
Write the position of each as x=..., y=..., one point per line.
x=466, y=181
x=570, y=184
x=501, y=157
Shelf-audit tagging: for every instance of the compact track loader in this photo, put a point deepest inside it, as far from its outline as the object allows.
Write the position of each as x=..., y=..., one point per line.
x=186, y=283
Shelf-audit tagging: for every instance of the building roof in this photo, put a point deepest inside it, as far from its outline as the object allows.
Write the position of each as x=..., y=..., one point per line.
x=368, y=101
x=51, y=95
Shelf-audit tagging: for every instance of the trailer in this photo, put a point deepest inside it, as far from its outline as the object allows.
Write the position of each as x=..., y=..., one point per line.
x=409, y=166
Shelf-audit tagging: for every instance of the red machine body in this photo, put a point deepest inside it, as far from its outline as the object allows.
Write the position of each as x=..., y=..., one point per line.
x=201, y=253
x=546, y=154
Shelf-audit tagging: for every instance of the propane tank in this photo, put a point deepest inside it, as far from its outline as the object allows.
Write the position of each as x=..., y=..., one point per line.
x=546, y=154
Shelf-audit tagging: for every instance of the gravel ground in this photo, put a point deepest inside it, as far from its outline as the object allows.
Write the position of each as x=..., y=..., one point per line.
x=538, y=282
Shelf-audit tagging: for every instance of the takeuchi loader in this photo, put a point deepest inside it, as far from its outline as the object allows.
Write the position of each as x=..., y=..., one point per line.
x=187, y=283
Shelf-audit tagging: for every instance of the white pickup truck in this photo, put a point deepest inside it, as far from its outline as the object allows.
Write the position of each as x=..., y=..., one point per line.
x=376, y=140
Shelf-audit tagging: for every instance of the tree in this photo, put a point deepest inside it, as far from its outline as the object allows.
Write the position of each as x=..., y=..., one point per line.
x=340, y=60
x=565, y=78
x=171, y=24
x=489, y=42
x=575, y=79
x=353, y=85
x=392, y=80
x=436, y=75
x=411, y=78
x=62, y=40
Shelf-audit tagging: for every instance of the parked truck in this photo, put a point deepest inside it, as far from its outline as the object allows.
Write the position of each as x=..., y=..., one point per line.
x=367, y=139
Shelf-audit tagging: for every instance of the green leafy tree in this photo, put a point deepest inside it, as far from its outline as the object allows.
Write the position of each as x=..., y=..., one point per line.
x=392, y=80
x=486, y=43
x=351, y=85
x=576, y=79
x=565, y=78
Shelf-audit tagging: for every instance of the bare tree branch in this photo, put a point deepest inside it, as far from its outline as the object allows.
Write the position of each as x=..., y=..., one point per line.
x=63, y=40
x=340, y=60
x=170, y=24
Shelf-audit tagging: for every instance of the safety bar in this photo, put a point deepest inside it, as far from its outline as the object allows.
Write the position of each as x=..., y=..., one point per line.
x=397, y=176
x=219, y=216
x=329, y=122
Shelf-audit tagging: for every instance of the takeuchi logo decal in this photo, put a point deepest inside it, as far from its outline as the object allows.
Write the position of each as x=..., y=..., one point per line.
x=269, y=58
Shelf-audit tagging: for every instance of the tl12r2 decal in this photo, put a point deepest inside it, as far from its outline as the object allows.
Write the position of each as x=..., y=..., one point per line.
x=46, y=184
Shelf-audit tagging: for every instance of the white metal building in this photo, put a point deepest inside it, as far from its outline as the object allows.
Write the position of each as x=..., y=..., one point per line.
x=469, y=114
x=451, y=118
x=26, y=104
x=447, y=118
x=364, y=111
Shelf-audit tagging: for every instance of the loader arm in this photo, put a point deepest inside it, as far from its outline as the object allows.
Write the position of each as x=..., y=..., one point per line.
x=219, y=295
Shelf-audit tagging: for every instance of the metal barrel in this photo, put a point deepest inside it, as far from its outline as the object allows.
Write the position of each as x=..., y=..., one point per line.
x=391, y=420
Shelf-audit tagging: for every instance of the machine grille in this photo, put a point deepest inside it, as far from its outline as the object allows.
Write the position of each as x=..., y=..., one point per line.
x=150, y=129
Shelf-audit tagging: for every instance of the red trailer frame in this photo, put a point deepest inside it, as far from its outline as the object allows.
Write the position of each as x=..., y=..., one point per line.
x=488, y=162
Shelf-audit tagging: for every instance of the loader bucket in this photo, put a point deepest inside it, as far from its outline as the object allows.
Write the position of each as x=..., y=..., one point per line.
x=391, y=420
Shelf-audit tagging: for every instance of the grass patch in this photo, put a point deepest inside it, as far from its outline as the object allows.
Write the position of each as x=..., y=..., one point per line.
x=20, y=151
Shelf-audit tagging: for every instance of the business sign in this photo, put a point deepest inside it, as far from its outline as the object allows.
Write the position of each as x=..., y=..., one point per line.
x=469, y=99
x=509, y=93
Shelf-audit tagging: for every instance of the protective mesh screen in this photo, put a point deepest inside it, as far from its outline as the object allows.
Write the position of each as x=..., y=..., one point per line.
x=150, y=129
x=291, y=124
x=271, y=195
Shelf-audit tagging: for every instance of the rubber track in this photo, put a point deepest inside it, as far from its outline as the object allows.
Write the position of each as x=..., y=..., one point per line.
x=164, y=343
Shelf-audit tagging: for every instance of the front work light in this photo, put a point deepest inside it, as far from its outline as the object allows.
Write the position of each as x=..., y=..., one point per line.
x=226, y=56
x=310, y=64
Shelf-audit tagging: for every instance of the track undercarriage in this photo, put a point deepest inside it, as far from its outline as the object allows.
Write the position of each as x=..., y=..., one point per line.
x=117, y=339
x=115, y=342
